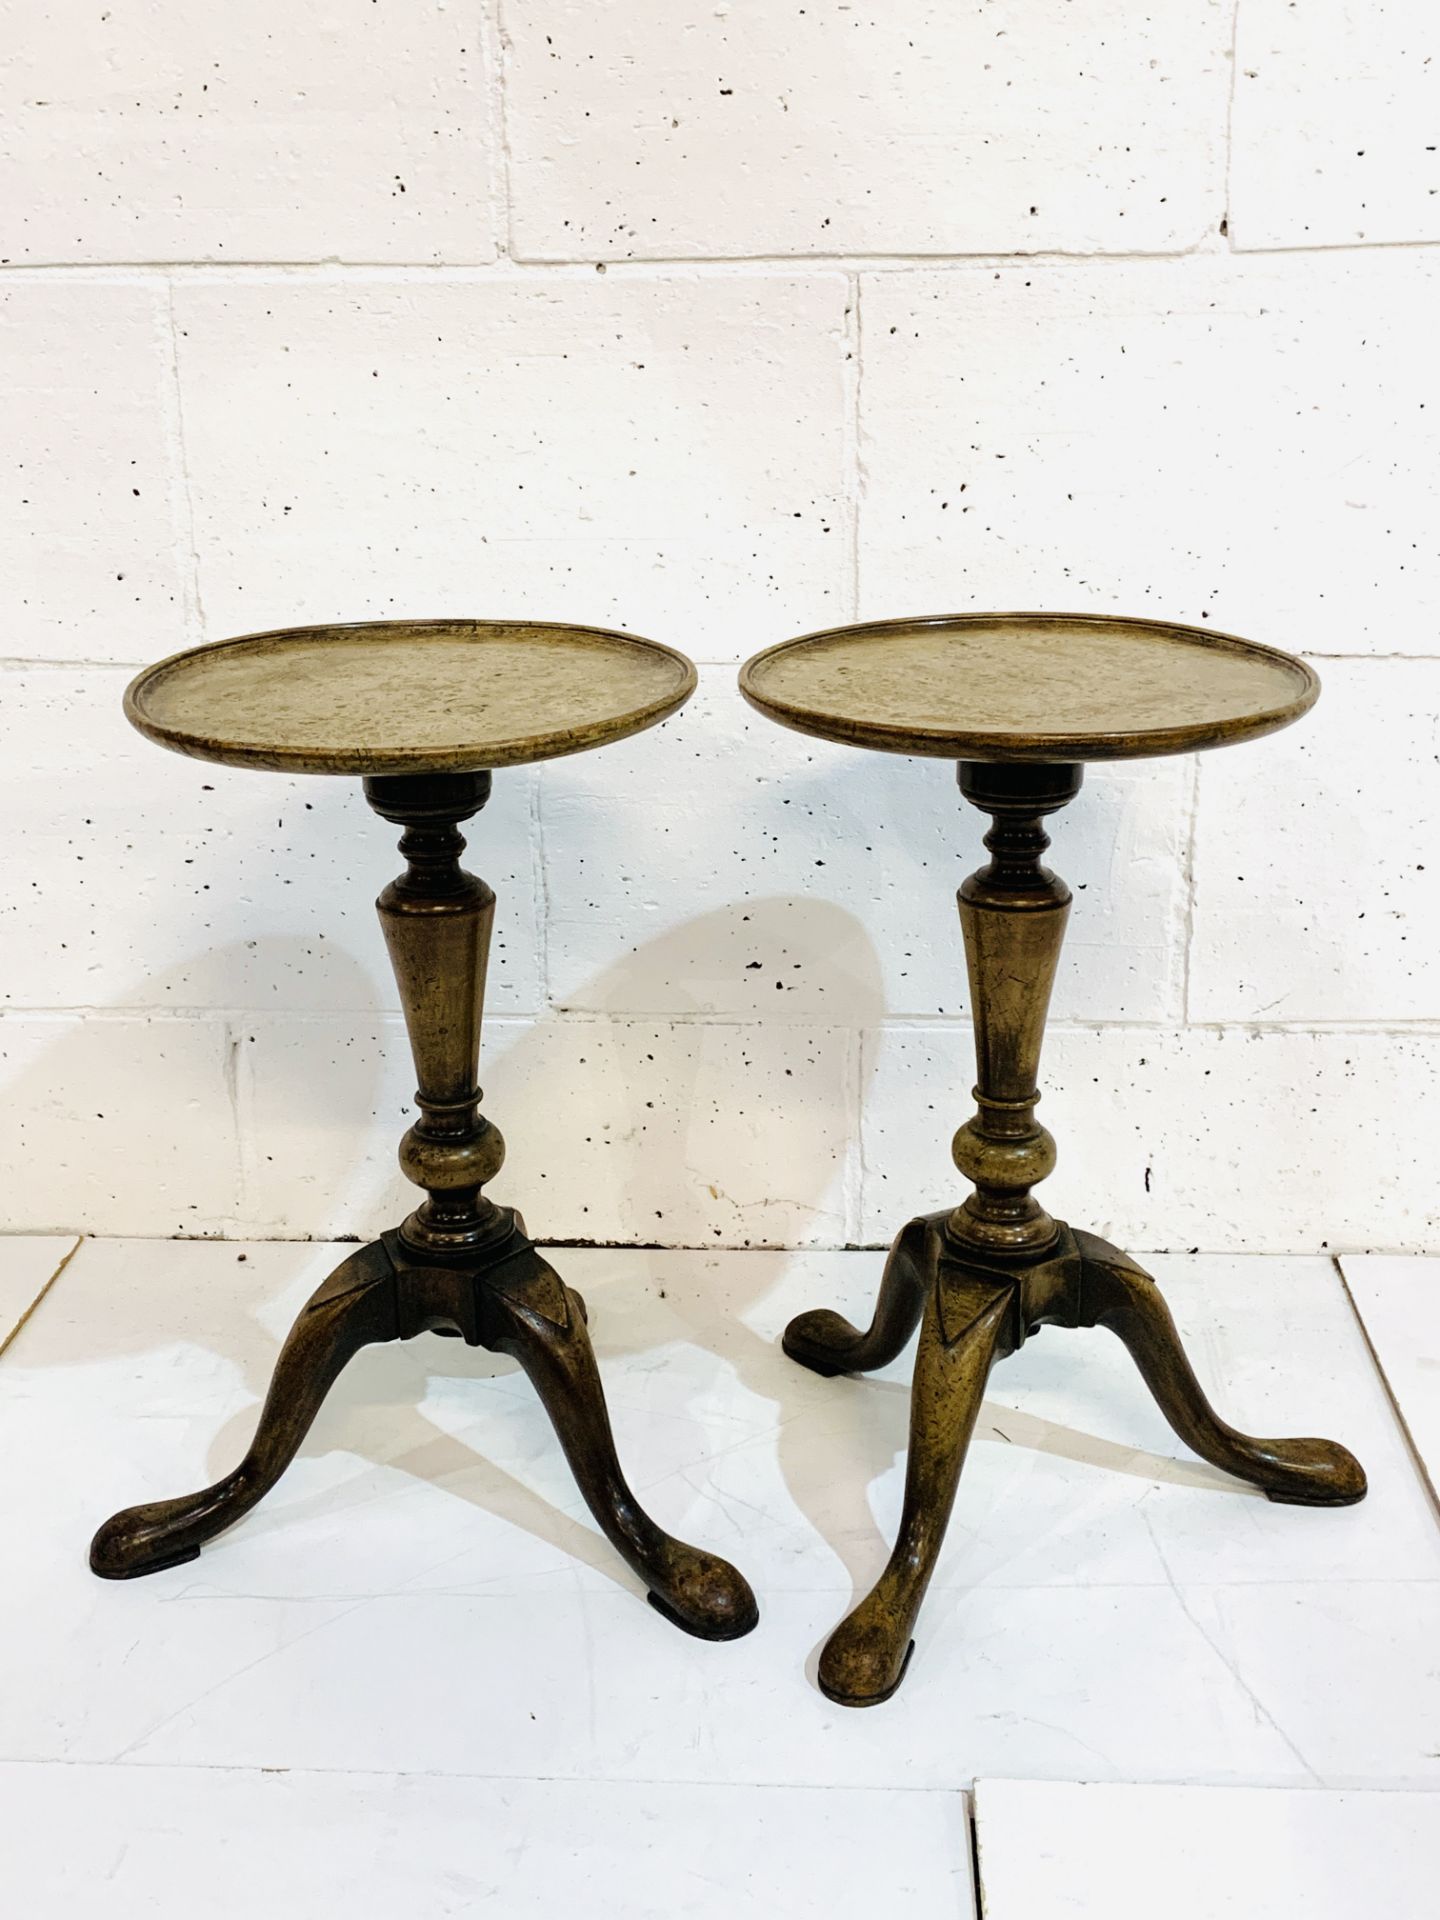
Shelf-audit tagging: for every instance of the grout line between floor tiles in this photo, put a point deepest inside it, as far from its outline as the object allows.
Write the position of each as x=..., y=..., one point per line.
x=972, y=1822
x=574, y=1508
x=1417, y=1458
x=29, y=1313
x=967, y=1793
x=447, y=1773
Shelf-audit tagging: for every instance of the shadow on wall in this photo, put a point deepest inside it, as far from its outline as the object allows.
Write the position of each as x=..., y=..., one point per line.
x=674, y=1128
x=123, y=1120
x=669, y=1128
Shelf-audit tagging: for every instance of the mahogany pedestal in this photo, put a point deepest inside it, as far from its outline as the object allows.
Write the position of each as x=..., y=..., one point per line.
x=1020, y=701
x=423, y=711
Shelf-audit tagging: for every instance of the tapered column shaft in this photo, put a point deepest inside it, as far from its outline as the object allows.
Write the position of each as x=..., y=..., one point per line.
x=1012, y=914
x=436, y=919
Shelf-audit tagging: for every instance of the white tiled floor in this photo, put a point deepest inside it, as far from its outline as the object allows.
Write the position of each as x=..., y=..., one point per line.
x=238, y=1844
x=1399, y=1302
x=424, y=1593
x=1050, y=1851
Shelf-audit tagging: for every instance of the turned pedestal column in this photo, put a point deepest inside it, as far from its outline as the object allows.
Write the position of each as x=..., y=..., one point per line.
x=1020, y=701
x=423, y=711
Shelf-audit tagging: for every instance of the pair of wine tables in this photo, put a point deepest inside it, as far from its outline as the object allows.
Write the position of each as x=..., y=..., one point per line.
x=424, y=712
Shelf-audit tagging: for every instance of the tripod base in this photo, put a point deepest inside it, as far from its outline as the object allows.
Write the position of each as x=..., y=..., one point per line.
x=974, y=1312
x=506, y=1298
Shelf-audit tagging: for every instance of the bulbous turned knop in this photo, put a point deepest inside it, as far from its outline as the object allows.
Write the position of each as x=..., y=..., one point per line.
x=450, y=1165
x=1001, y=1165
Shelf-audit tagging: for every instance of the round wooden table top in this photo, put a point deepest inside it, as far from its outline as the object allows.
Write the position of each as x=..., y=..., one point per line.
x=408, y=696
x=1028, y=686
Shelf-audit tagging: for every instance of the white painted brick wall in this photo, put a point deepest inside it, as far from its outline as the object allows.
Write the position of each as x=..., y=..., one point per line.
x=700, y=1133
x=157, y=130
x=719, y=866
x=92, y=528
x=720, y=322
x=640, y=129
x=1249, y=442
x=1336, y=123
x=567, y=445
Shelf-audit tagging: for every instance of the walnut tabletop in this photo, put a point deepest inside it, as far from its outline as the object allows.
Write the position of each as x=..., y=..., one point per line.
x=1028, y=686
x=408, y=696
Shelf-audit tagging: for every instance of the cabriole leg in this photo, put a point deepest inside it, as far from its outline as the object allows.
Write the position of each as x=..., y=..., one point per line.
x=1118, y=1294
x=865, y=1658
x=825, y=1341
x=540, y=1322
x=354, y=1308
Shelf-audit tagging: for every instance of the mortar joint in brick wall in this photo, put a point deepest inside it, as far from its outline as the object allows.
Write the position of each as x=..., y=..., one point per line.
x=1234, y=56
x=75, y=663
x=390, y=1017
x=1187, y=875
x=853, y=454
x=502, y=196
x=853, y=1181
x=183, y=513
x=903, y=1023
x=540, y=886
x=517, y=266
x=232, y=1040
